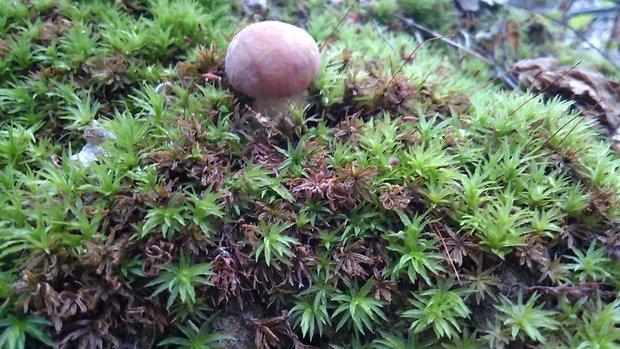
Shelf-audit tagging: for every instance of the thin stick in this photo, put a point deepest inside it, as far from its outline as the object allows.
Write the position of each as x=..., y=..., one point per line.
x=553, y=134
x=408, y=59
x=378, y=29
x=337, y=25
x=504, y=42
x=509, y=70
x=412, y=23
x=580, y=113
x=447, y=253
x=593, y=11
x=544, y=88
x=575, y=125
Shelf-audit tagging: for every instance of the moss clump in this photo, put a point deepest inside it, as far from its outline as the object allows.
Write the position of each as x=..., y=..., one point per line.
x=404, y=207
x=442, y=18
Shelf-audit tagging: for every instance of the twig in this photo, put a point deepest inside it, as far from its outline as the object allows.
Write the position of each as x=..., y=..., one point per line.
x=159, y=88
x=580, y=113
x=575, y=125
x=466, y=36
x=563, y=18
x=500, y=76
x=505, y=76
x=378, y=29
x=504, y=46
x=594, y=11
x=447, y=252
x=337, y=25
x=615, y=32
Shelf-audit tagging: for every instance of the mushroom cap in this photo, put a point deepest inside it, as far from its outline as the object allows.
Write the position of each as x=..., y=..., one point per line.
x=272, y=59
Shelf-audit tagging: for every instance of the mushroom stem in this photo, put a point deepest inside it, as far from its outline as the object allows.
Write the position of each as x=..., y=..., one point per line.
x=279, y=107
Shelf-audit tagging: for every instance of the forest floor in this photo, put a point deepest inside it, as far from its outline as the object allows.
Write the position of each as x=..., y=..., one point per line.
x=451, y=181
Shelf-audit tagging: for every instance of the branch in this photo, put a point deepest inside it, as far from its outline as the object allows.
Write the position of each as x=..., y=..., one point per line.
x=378, y=29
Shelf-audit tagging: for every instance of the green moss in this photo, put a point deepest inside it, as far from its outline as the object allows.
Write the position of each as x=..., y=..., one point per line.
x=436, y=14
x=385, y=9
x=354, y=215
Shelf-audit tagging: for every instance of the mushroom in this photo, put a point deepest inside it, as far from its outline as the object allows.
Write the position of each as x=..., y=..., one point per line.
x=273, y=62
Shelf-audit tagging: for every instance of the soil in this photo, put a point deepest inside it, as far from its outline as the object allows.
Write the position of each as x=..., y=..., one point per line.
x=236, y=324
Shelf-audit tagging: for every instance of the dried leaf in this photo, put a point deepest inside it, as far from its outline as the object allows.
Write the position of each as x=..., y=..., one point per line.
x=395, y=197
x=534, y=252
x=595, y=96
x=573, y=291
x=320, y=184
x=358, y=179
x=383, y=289
x=54, y=28
x=460, y=246
x=226, y=278
x=352, y=259
x=611, y=241
x=268, y=331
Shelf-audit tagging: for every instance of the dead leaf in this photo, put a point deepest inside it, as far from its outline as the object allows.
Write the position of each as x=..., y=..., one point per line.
x=4, y=47
x=54, y=28
x=586, y=88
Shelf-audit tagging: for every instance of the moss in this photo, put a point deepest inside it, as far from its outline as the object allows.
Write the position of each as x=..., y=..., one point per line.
x=385, y=9
x=410, y=204
x=420, y=10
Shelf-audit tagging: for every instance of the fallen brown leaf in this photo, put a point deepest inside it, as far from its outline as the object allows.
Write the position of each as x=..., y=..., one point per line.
x=594, y=95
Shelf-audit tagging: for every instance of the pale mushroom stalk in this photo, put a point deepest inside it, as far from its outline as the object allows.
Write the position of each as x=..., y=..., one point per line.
x=275, y=106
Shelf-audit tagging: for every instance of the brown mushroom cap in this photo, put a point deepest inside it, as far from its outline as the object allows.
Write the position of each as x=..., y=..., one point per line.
x=272, y=59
